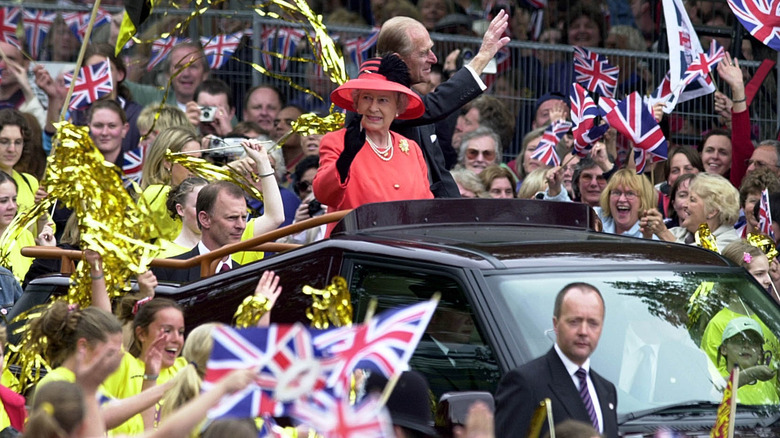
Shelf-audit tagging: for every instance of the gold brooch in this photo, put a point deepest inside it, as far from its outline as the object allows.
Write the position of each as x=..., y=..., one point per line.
x=404, y=146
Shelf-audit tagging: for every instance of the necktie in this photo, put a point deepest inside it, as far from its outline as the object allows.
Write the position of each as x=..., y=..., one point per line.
x=225, y=267
x=585, y=395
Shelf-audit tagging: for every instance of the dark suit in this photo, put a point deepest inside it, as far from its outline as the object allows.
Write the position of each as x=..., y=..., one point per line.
x=450, y=96
x=183, y=275
x=522, y=389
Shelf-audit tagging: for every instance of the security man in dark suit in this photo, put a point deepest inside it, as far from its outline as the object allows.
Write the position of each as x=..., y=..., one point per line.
x=410, y=40
x=221, y=210
x=563, y=374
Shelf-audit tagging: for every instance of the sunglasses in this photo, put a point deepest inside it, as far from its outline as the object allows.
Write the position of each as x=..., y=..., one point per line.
x=472, y=154
x=303, y=186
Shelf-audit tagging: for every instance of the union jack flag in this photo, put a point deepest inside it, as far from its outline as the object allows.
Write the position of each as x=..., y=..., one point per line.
x=358, y=48
x=545, y=151
x=93, y=82
x=336, y=418
x=37, y=23
x=583, y=116
x=284, y=358
x=765, y=215
x=219, y=48
x=383, y=344
x=161, y=48
x=594, y=72
x=9, y=19
x=703, y=64
x=283, y=43
x=632, y=119
x=132, y=164
x=760, y=19
x=79, y=21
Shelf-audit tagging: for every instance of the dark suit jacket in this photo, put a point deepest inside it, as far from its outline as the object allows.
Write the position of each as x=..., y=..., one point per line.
x=183, y=275
x=522, y=389
x=450, y=96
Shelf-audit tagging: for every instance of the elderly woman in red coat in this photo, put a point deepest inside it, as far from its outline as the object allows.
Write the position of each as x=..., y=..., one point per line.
x=366, y=162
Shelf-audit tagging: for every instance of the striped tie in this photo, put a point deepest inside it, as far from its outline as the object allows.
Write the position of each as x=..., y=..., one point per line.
x=585, y=395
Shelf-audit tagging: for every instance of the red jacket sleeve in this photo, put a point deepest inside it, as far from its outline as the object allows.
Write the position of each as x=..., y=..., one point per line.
x=741, y=146
x=327, y=185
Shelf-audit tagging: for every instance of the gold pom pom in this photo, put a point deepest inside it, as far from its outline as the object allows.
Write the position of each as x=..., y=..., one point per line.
x=251, y=310
x=764, y=243
x=705, y=239
x=332, y=305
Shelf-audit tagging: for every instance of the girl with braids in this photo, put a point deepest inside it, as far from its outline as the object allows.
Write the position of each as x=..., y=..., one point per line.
x=366, y=162
x=68, y=410
x=86, y=344
x=181, y=204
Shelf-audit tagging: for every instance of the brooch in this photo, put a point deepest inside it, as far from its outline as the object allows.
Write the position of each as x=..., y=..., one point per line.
x=403, y=145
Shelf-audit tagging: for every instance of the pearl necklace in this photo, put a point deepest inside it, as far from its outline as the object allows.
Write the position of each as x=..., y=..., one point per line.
x=386, y=153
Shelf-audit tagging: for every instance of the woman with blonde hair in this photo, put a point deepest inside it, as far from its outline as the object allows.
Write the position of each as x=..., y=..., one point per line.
x=622, y=202
x=533, y=183
x=469, y=184
x=713, y=201
x=159, y=175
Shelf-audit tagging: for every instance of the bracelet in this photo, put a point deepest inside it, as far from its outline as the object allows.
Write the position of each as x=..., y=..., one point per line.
x=151, y=377
x=267, y=174
x=739, y=100
x=96, y=277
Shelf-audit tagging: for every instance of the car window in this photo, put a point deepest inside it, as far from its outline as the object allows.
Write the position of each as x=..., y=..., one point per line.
x=662, y=334
x=452, y=354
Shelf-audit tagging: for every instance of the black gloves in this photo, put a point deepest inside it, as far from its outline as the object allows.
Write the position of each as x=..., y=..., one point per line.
x=354, y=139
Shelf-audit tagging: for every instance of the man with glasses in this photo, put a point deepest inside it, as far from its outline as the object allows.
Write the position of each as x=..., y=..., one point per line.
x=479, y=149
x=767, y=154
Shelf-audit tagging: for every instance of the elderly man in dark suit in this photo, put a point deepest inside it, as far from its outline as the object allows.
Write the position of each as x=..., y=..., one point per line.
x=410, y=40
x=221, y=211
x=563, y=374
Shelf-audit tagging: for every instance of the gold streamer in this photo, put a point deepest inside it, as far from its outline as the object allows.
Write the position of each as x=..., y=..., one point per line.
x=705, y=239
x=250, y=311
x=310, y=124
x=110, y=222
x=697, y=300
x=764, y=243
x=331, y=305
x=210, y=171
x=26, y=355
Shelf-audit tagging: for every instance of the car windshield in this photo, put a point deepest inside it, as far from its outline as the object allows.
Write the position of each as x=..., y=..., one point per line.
x=662, y=340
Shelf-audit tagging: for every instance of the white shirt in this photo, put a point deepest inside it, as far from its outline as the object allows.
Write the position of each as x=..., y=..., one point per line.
x=572, y=368
x=203, y=250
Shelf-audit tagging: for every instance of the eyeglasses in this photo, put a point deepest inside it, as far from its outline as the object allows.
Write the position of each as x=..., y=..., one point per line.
x=472, y=154
x=617, y=194
x=759, y=164
x=303, y=186
x=588, y=178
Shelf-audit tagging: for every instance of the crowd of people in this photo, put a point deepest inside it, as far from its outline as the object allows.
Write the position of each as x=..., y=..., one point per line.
x=416, y=128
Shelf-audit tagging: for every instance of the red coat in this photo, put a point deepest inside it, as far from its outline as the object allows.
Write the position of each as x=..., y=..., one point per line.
x=14, y=407
x=370, y=179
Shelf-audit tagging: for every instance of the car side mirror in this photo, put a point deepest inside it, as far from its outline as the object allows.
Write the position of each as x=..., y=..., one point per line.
x=453, y=408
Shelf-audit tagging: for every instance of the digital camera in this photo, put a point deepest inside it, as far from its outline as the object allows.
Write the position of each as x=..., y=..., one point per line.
x=207, y=113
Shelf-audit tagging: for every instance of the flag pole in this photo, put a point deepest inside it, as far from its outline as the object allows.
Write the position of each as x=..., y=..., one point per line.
x=774, y=289
x=733, y=402
x=79, y=61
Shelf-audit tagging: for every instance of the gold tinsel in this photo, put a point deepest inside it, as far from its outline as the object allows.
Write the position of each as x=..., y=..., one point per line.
x=705, y=239
x=764, y=243
x=211, y=171
x=250, y=311
x=27, y=353
x=109, y=220
x=697, y=300
x=331, y=305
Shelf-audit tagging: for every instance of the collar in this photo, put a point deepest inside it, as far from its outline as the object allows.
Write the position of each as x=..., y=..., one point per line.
x=571, y=367
x=203, y=250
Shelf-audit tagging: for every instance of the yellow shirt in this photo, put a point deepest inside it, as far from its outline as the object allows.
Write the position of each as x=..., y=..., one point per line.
x=247, y=257
x=156, y=195
x=17, y=263
x=169, y=248
x=27, y=185
x=127, y=381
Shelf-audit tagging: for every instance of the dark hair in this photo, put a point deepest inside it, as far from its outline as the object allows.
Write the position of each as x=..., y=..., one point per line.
x=711, y=133
x=215, y=86
x=108, y=51
x=673, y=193
x=573, y=429
x=6, y=177
x=12, y=117
x=756, y=181
x=308, y=162
x=592, y=12
x=110, y=105
x=179, y=193
x=233, y=427
x=63, y=325
x=584, y=164
x=577, y=285
x=208, y=196
x=690, y=153
x=33, y=159
x=248, y=125
x=282, y=99
x=64, y=412
x=145, y=316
